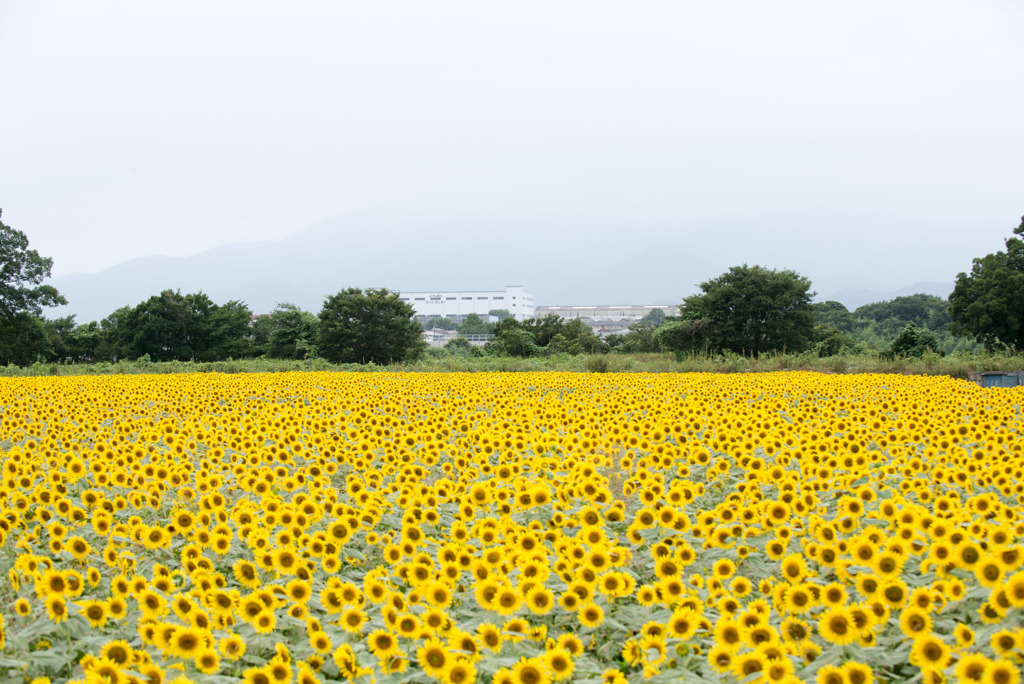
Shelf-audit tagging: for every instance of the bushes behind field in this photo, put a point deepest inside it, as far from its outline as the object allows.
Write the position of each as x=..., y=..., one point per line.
x=439, y=360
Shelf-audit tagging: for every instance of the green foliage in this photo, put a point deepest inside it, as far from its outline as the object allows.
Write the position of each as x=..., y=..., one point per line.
x=682, y=337
x=292, y=333
x=115, y=337
x=830, y=340
x=60, y=334
x=754, y=310
x=653, y=319
x=923, y=310
x=460, y=345
x=956, y=365
x=442, y=322
x=176, y=327
x=575, y=337
x=913, y=342
x=548, y=335
x=501, y=314
x=23, y=336
x=22, y=272
x=512, y=338
x=375, y=326
x=988, y=303
x=474, y=325
x=227, y=332
x=23, y=339
x=836, y=315
x=875, y=326
x=640, y=338
x=259, y=333
x=543, y=329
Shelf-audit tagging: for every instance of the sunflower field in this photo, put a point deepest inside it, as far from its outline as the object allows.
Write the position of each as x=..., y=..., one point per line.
x=510, y=528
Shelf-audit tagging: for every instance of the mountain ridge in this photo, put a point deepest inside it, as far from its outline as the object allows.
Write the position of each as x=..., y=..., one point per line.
x=560, y=259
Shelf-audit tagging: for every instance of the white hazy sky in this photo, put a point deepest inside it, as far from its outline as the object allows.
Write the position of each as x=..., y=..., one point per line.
x=136, y=128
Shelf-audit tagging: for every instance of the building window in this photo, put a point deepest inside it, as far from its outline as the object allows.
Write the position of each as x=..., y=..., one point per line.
x=467, y=298
x=450, y=299
x=499, y=297
x=481, y=297
x=420, y=299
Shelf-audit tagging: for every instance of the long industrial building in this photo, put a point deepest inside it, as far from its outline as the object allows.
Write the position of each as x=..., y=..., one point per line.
x=605, y=311
x=514, y=298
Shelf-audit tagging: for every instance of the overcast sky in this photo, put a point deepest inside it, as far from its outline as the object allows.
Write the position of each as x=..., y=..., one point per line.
x=130, y=129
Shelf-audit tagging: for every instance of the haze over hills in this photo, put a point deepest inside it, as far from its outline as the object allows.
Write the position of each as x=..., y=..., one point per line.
x=561, y=259
x=854, y=298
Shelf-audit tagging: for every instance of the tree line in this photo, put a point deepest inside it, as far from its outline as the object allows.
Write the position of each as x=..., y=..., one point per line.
x=749, y=310
x=354, y=326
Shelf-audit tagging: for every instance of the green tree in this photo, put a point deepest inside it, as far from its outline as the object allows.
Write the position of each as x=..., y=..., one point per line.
x=377, y=326
x=259, y=332
x=474, y=325
x=190, y=327
x=512, y=338
x=442, y=322
x=753, y=310
x=86, y=343
x=836, y=314
x=891, y=317
x=988, y=303
x=23, y=296
x=292, y=333
x=459, y=345
x=641, y=337
x=227, y=332
x=683, y=336
x=501, y=314
x=830, y=340
x=914, y=342
x=61, y=339
x=653, y=319
x=575, y=337
x=24, y=340
x=543, y=329
x=116, y=337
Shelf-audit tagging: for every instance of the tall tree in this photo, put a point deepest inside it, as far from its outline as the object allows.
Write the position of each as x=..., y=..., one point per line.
x=190, y=327
x=653, y=319
x=23, y=336
x=376, y=325
x=474, y=325
x=988, y=303
x=22, y=272
x=511, y=338
x=227, y=332
x=23, y=340
x=292, y=333
x=575, y=337
x=753, y=310
x=544, y=329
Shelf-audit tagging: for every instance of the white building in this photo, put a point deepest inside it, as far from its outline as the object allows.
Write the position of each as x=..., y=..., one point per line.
x=513, y=298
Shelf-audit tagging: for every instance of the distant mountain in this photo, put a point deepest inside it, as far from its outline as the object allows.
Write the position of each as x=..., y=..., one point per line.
x=856, y=298
x=563, y=260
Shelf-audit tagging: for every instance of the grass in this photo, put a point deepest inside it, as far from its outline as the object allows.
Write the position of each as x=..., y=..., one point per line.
x=954, y=365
